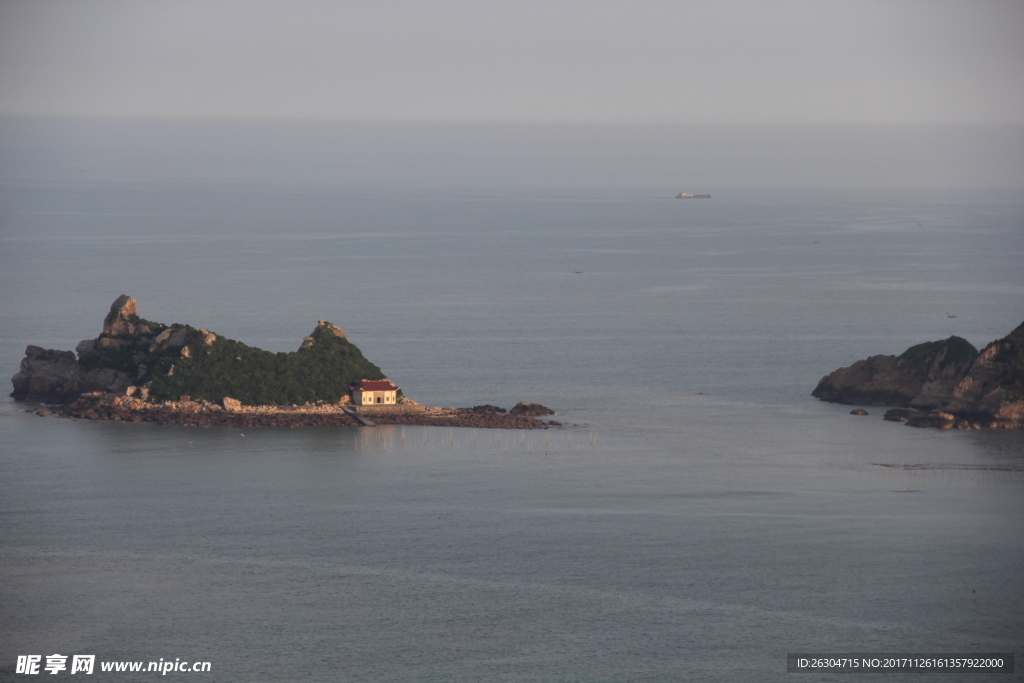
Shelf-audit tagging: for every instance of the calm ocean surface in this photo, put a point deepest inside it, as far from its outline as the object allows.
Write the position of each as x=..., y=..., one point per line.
x=699, y=516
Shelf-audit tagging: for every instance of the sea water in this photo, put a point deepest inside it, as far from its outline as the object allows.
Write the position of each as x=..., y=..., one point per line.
x=697, y=516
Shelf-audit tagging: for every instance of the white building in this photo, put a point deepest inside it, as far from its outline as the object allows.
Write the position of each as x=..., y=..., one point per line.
x=375, y=392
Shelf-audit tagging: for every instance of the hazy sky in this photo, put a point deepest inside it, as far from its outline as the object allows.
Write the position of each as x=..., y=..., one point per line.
x=772, y=61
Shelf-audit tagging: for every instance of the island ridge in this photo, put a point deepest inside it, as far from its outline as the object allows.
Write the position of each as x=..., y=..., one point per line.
x=139, y=370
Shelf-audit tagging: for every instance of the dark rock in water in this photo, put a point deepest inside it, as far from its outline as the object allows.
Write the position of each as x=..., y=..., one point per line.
x=936, y=419
x=487, y=409
x=899, y=414
x=939, y=384
x=858, y=411
x=524, y=408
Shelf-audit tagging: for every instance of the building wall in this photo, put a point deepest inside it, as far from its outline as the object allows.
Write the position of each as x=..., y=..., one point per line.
x=369, y=398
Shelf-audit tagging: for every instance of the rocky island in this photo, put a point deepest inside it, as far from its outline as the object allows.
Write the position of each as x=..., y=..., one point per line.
x=944, y=384
x=138, y=370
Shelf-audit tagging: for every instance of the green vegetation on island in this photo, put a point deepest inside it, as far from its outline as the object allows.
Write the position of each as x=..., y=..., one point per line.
x=322, y=371
x=158, y=362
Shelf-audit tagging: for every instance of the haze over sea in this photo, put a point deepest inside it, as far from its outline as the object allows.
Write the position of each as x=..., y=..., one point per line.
x=698, y=517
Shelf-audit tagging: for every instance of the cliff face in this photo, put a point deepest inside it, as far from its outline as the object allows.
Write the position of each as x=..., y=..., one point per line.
x=994, y=385
x=154, y=361
x=48, y=374
x=898, y=380
x=944, y=384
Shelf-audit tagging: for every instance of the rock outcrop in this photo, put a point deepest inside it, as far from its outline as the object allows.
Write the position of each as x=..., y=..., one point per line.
x=918, y=373
x=231, y=405
x=54, y=376
x=487, y=408
x=48, y=375
x=118, y=322
x=524, y=408
x=323, y=328
x=944, y=384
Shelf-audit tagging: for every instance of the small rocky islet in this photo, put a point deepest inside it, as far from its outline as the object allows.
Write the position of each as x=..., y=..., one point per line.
x=138, y=370
x=945, y=384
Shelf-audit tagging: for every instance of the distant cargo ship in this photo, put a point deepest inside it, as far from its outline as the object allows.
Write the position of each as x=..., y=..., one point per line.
x=683, y=195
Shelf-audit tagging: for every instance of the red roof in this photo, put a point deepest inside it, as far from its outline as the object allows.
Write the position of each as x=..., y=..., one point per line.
x=377, y=385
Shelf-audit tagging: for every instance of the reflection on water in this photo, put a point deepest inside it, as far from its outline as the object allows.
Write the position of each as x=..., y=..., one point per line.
x=388, y=438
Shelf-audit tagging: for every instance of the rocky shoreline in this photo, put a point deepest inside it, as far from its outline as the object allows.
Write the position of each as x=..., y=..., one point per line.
x=120, y=408
x=945, y=384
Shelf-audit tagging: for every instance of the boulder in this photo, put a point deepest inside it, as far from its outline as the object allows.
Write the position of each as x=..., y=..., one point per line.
x=487, y=409
x=935, y=419
x=899, y=414
x=178, y=337
x=85, y=347
x=231, y=404
x=524, y=408
x=858, y=411
x=160, y=338
x=171, y=338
